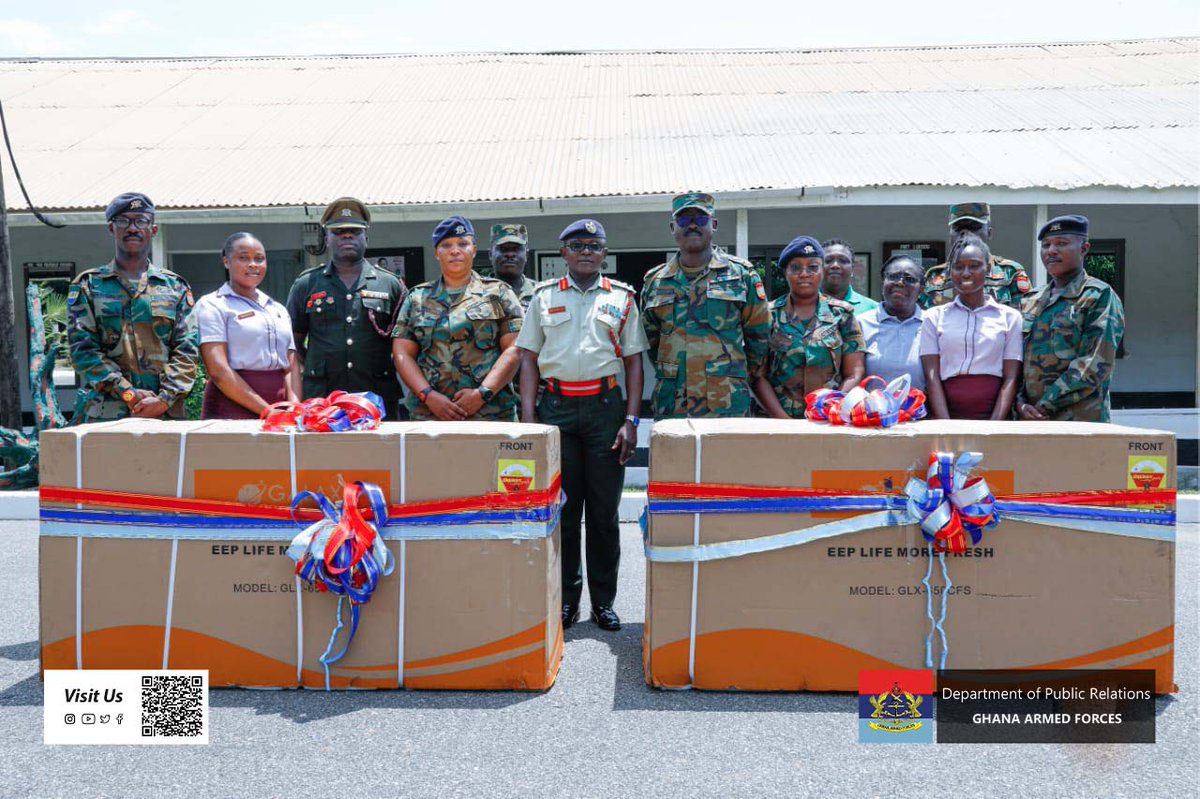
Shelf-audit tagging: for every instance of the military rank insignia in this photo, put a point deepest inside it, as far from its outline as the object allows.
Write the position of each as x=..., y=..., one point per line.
x=895, y=707
x=1023, y=284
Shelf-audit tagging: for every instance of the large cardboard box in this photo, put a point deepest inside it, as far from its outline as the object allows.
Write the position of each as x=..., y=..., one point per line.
x=810, y=617
x=479, y=613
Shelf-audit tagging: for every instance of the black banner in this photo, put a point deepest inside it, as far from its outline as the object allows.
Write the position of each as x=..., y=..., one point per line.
x=1072, y=706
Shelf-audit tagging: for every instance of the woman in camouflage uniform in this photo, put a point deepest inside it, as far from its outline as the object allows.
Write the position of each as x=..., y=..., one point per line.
x=815, y=341
x=454, y=339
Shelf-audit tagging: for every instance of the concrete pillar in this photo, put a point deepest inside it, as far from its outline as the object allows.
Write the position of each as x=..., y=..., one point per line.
x=743, y=233
x=1036, y=270
x=158, y=248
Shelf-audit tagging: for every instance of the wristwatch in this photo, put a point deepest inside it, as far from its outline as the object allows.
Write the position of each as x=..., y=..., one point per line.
x=633, y=420
x=486, y=393
x=424, y=393
x=127, y=395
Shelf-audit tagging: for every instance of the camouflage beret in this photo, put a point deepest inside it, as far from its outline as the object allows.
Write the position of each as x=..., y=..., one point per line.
x=507, y=232
x=693, y=199
x=970, y=212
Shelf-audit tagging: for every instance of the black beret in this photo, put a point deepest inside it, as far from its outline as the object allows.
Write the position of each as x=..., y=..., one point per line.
x=1071, y=223
x=452, y=226
x=129, y=201
x=800, y=247
x=582, y=229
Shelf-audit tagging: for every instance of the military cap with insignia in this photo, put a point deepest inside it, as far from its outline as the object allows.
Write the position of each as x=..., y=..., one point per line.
x=506, y=233
x=129, y=201
x=970, y=212
x=452, y=226
x=346, y=212
x=693, y=199
x=1073, y=224
x=801, y=247
x=583, y=229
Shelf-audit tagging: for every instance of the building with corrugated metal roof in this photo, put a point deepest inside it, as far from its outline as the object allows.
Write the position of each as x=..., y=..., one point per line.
x=869, y=145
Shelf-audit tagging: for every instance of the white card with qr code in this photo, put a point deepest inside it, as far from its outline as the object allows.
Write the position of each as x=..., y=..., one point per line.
x=125, y=706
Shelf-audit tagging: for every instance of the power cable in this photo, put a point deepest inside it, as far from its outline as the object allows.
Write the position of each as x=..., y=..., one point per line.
x=12, y=160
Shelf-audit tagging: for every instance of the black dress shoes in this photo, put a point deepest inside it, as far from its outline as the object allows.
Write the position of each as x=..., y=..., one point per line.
x=570, y=615
x=606, y=618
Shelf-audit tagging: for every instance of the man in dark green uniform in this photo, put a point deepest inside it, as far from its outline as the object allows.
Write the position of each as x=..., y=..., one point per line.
x=342, y=313
x=1006, y=281
x=509, y=252
x=580, y=333
x=131, y=327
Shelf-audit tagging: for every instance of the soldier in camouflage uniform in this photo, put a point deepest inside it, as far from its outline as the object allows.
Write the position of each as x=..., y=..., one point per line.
x=706, y=319
x=815, y=340
x=1073, y=326
x=509, y=252
x=1006, y=281
x=132, y=332
x=454, y=340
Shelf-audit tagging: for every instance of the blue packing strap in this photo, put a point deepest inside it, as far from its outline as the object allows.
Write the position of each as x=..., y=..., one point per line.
x=776, y=504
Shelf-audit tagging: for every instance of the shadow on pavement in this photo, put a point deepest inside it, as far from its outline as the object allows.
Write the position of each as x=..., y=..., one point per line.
x=25, y=651
x=306, y=705
x=630, y=691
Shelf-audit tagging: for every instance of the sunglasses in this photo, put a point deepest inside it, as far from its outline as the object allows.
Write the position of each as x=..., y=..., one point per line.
x=585, y=246
x=802, y=269
x=687, y=220
x=907, y=280
x=139, y=223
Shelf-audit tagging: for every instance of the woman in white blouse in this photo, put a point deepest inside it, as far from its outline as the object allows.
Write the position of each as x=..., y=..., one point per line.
x=971, y=348
x=245, y=339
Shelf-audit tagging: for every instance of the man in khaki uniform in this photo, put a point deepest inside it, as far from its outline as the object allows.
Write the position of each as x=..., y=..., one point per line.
x=579, y=332
x=1006, y=280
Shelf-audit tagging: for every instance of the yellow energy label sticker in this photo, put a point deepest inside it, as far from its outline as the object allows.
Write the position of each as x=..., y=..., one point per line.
x=515, y=475
x=1147, y=472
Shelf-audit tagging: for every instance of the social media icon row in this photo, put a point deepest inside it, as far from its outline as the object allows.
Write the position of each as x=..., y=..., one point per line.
x=90, y=718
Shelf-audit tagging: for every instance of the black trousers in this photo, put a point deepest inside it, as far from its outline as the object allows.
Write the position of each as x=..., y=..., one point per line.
x=593, y=478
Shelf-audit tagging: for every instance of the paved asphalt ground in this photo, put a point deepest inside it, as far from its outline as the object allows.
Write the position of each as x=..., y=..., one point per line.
x=600, y=732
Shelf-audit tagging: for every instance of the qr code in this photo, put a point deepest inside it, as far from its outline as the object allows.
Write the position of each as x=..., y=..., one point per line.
x=172, y=705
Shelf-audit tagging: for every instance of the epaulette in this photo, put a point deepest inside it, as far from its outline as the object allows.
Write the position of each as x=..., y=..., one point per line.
x=1000, y=260
x=545, y=284
x=650, y=273
x=621, y=285
x=839, y=304
x=310, y=270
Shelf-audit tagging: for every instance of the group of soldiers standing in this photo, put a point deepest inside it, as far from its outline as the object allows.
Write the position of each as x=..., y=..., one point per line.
x=459, y=341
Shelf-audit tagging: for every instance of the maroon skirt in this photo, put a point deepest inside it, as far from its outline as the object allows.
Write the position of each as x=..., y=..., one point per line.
x=267, y=383
x=972, y=396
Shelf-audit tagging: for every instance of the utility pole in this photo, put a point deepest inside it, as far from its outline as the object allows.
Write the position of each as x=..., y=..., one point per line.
x=10, y=373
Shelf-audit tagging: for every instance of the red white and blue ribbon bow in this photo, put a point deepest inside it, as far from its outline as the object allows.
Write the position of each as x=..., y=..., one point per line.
x=951, y=505
x=338, y=412
x=343, y=554
x=872, y=403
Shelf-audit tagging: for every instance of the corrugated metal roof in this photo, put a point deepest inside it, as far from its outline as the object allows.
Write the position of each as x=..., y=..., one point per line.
x=442, y=129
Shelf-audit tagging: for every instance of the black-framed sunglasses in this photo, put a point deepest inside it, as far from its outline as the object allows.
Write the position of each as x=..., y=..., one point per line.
x=138, y=223
x=687, y=220
x=803, y=269
x=585, y=246
x=907, y=280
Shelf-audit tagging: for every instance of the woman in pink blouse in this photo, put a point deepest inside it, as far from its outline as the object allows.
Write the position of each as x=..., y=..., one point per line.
x=971, y=347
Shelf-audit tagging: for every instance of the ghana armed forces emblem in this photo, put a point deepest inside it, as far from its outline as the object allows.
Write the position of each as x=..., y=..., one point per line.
x=896, y=710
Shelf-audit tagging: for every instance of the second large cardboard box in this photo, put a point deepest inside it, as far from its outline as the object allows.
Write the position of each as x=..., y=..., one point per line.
x=811, y=616
x=476, y=613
